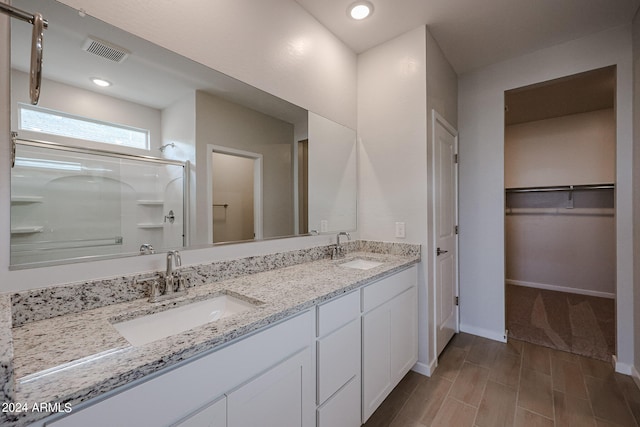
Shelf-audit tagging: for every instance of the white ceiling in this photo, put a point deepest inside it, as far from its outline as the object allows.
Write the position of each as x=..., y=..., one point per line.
x=475, y=33
x=472, y=33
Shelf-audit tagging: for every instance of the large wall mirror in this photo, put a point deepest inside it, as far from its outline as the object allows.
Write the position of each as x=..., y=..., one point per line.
x=132, y=145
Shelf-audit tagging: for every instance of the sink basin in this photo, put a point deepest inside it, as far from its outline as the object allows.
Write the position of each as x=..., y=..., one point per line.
x=361, y=264
x=152, y=327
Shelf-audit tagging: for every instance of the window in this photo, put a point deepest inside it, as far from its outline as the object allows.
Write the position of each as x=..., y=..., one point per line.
x=53, y=122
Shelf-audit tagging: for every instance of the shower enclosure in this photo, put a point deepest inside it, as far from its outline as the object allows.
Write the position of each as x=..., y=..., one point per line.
x=69, y=203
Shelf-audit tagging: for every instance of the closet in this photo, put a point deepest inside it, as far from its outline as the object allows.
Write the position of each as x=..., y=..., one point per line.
x=560, y=244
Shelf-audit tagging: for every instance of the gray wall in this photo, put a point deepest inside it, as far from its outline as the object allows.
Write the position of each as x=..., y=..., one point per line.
x=481, y=126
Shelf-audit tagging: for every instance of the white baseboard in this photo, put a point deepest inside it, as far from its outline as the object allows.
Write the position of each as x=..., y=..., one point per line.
x=424, y=369
x=635, y=375
x=486, y=333
x=560, y=288
x=621, y=368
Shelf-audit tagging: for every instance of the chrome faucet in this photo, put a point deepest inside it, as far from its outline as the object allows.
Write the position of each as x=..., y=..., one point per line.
x=171, y=277
x=173, y=257
x=338, y=250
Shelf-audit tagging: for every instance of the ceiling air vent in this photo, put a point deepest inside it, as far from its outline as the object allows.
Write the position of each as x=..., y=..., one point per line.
x=105, y=49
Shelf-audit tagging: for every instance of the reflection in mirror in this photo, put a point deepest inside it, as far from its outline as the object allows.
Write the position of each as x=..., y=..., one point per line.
x=162, y=105
x=229, y=128
x=236, y=193
x=332, y=175
x=68, y=203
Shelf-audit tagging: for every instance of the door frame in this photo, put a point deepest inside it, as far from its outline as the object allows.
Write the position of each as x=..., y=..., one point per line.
x=437, y=119
x=257, y=186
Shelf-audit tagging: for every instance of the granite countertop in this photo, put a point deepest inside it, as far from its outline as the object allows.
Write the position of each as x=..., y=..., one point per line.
x=78, y=356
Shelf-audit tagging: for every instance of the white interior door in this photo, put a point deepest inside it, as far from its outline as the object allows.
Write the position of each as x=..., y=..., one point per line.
x=445, y=217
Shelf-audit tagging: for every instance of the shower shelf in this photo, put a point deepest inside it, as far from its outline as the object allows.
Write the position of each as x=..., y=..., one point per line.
x=150, y=202
x=151, y=225
x=27, y=230
x=23, y=200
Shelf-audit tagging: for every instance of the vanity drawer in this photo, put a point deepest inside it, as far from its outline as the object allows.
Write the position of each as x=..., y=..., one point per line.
x=385, y=289
x=338, y=359
x=337, y=312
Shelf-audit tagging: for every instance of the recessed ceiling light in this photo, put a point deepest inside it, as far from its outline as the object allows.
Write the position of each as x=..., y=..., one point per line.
x=100, y=82
x=360, y=10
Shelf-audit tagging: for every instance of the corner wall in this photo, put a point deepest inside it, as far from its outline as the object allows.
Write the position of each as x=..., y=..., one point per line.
x=392, y=153
x=398, y=83
x=481, y=118
x=442, y=96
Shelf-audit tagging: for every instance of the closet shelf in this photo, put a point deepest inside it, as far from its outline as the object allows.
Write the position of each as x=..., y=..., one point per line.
x=561, y=211
x=560, y=188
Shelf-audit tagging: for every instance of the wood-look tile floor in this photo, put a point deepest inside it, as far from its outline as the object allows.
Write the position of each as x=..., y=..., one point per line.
x=484, y=383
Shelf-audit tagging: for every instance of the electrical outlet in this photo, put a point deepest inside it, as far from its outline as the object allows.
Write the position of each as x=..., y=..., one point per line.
x=400, y=233
x=324, y=226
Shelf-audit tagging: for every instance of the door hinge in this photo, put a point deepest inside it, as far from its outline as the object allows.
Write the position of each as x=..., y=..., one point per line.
x=14, y=135
x=457, y=300
x=455, y=158
x=456, y=229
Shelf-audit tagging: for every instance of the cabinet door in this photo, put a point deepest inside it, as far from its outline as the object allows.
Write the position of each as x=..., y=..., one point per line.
x=276, y=398
x=389, y=348
x=214, y=415
x=404, y=334
x=376, y=358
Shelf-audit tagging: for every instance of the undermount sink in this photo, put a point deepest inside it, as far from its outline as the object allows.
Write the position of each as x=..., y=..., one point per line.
x=361, y=264
x=152, y=327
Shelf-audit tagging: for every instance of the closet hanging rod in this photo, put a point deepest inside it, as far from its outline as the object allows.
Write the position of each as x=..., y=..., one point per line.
x=14, y=12
x=561, y=188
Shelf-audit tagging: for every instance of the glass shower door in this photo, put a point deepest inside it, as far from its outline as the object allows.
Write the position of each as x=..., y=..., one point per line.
x=69, y=203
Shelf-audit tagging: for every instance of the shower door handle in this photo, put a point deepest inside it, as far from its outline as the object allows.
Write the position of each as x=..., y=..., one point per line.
x=440, y=252
x=35, y=72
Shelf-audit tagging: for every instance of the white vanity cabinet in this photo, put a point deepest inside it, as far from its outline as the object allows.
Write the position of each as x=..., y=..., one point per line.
x=273, y=399
x=329, y=366
x=389, y=336
x=339, y=362
x=267, y=377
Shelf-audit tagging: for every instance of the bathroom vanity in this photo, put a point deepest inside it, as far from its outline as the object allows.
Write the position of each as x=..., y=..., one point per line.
x=322, y=343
